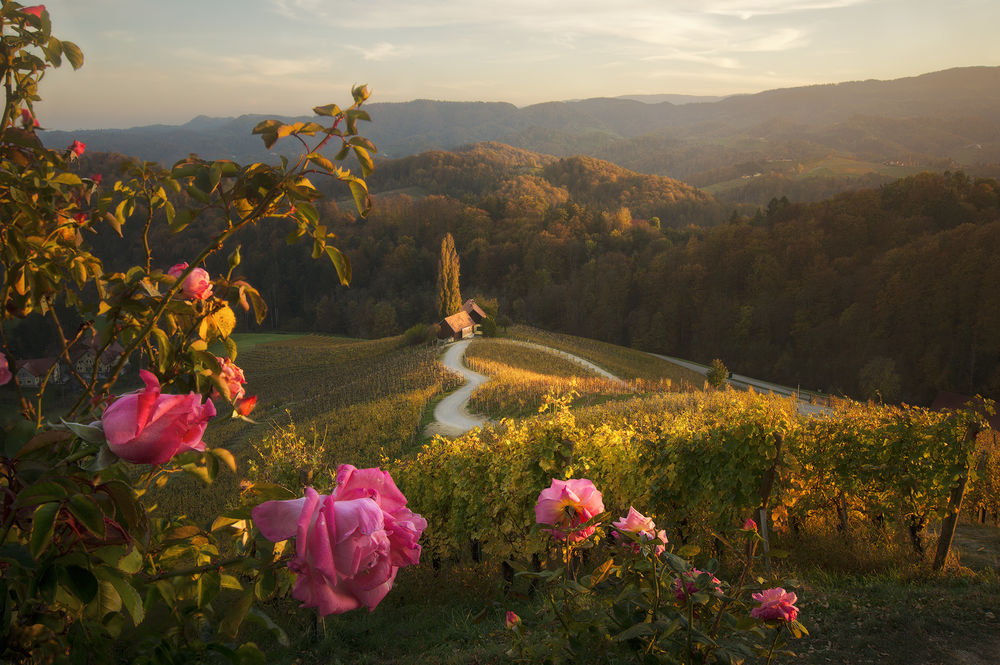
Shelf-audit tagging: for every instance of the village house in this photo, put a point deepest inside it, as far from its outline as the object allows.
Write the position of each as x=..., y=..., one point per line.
x=83, y=354
x=31, y=373
x=463, y=324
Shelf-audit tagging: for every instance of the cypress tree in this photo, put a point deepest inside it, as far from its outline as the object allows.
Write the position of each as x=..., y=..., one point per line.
x=449, y=298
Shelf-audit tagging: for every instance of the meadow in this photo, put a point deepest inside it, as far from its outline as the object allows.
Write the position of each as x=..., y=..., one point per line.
x=865, y=595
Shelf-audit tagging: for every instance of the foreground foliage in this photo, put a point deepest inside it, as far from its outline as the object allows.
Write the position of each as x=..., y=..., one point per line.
x=92, y=572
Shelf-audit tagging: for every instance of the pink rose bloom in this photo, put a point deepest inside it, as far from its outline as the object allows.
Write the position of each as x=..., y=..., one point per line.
x=197, y=286
x=348, y=545
x=28, y=121
x=35, y=10
x=146, y=427
x=511, y=620
x=687, y=584
x=5, y=375
x=749, y=525
x=568, y=503
x=233, y=378
x=77, y=147
x=635, y=522
x=775, y=605
x=403, y=526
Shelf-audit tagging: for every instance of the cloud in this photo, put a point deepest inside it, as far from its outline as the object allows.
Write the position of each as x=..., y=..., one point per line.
x=380, y=51
x=747, y=9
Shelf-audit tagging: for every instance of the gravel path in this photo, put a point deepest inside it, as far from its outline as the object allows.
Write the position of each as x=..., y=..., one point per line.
x=451, y=415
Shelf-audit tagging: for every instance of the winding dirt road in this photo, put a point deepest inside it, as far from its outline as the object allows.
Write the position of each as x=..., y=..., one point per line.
x=451, y=415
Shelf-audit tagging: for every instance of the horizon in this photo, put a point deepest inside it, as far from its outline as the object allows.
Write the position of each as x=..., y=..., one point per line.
x=149, y=63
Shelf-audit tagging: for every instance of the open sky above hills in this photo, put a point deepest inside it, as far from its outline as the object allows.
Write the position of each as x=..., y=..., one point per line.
x=150, y=61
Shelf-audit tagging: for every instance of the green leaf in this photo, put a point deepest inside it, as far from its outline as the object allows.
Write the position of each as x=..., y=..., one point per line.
x=85, y=509
x=257, y=616
x=42, y=527
x=73, y=54
x=230, y=624
x=107, y=600
x=225, y=457
x=321, y=161
x=129, y=597
x=131, y=563
x=80, y=582
x=89, y=433
x=365, y=159
x=362, y=201
x=341, y=263
x=249, y=653
x=199, y=195
x=65, y=178
x=42, y=492
x=330, y=110
x=638, y=630
x=208, y=586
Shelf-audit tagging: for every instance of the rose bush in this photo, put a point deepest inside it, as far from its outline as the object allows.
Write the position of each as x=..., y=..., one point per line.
x=148, y=427
x=92, y=568
x=622, y=610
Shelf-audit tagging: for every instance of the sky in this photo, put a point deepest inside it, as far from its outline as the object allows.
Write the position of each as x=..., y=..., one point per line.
x=168, y=61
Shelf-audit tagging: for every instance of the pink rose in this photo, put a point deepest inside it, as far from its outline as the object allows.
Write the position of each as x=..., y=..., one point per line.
x=775, y=605
x=35, y=10
x=511, y=620
x=77, y=147
x=197, y=286
x=568, y=503
x=348, y=545
x=5, y=375
x=233, y=377
x=635, y=522
x=403, y=526
x=145, y=427
x=750, y=525
x=28, y=121
x=687, y=584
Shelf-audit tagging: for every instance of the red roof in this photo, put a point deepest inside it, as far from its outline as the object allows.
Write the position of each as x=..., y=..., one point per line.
x=474, y=310
x=36, y=366
x=456, y=323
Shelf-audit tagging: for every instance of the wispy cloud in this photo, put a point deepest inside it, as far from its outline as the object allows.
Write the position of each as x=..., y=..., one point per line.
x=746, y=9
x=380, y=51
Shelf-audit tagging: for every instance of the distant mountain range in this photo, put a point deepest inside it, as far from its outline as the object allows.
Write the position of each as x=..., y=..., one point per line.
x=947, y=119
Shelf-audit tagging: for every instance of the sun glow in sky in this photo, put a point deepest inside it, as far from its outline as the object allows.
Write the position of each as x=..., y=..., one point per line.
x=167, y=61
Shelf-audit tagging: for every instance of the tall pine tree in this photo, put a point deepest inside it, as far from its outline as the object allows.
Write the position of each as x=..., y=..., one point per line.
x=449, y=298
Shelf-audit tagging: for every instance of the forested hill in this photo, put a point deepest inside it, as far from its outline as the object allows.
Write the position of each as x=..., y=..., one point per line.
x=941, y=120
x=498, y=177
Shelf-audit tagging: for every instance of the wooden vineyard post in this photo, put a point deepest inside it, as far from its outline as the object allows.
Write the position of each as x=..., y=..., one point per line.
x=950, y=520
x=766, y=485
